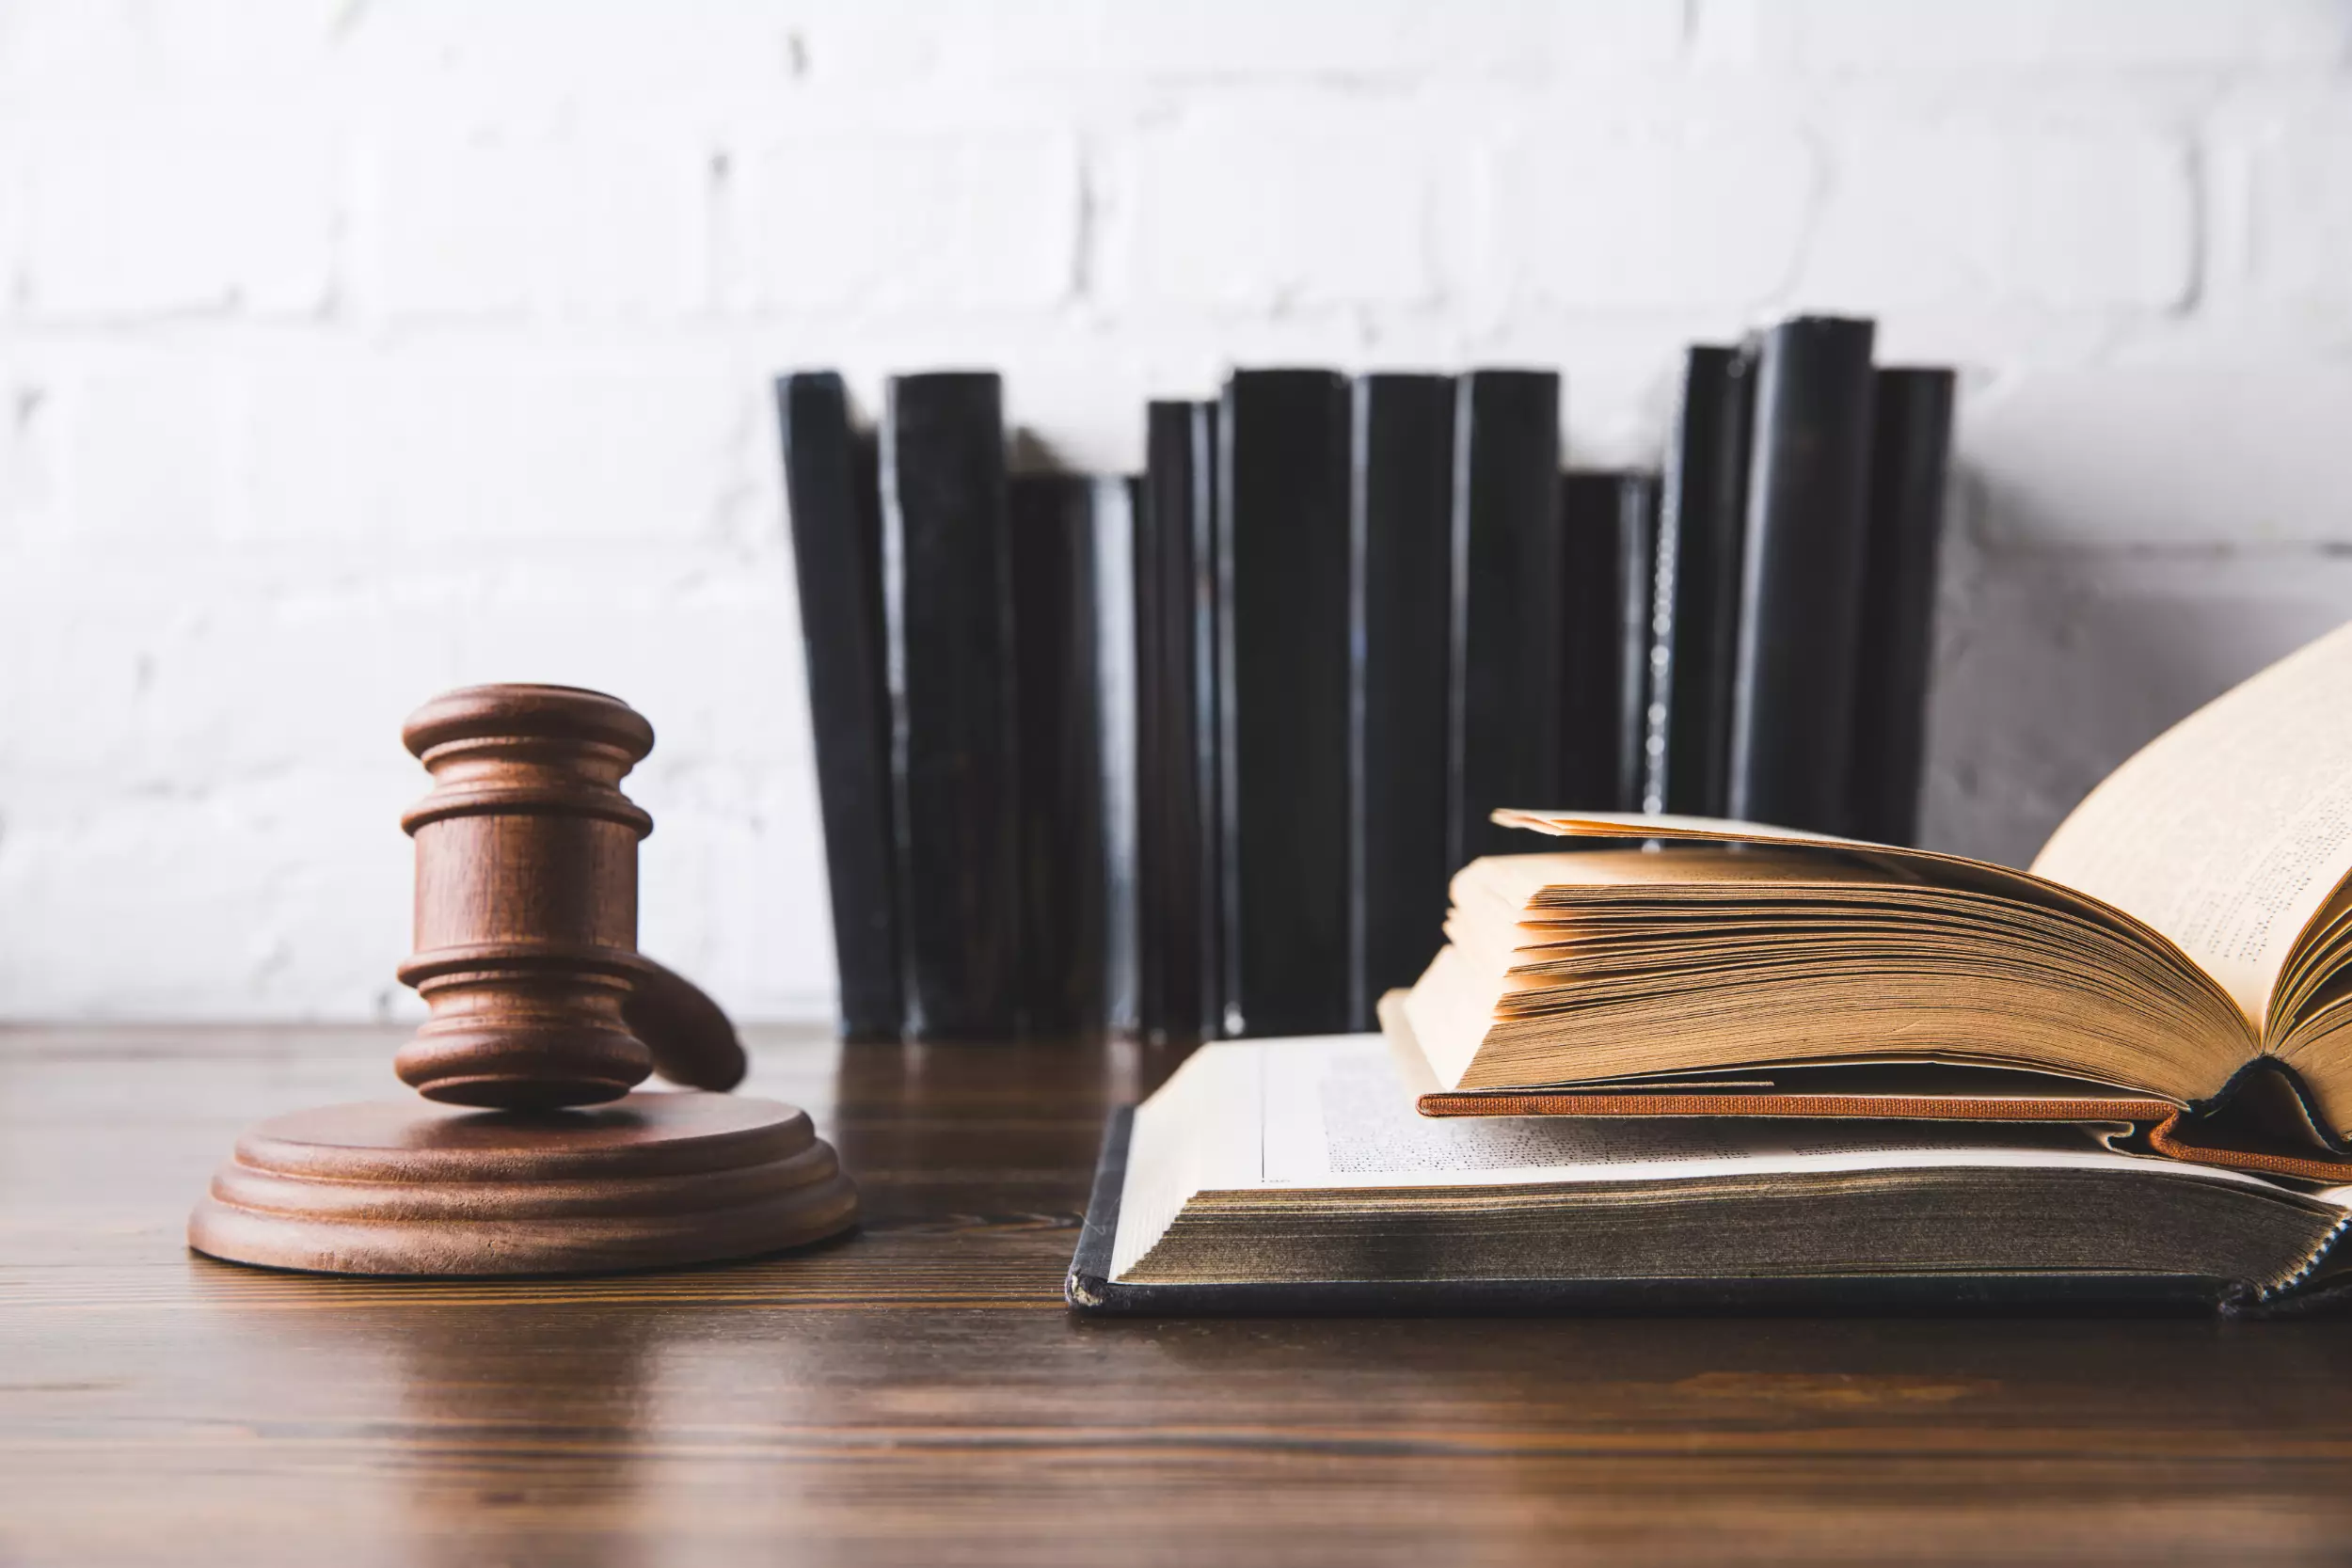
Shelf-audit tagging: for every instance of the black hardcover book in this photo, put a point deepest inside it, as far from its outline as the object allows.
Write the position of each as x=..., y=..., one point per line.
x=1909, y=450
x=1401, y=463
x=1179, y=848
x=1506, y=628
x=1115, y=505
x=1284, y=680
x=947, y=596
x=1592, y=574
x=1608, y=532
x=1151, y=974
x=1064, y=870
x=1696, y=616
x=1800, y=586
x=1637, y=576
x=830, y=481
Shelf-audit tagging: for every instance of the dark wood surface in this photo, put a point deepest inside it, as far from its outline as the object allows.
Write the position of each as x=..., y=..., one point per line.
x=918, y=1393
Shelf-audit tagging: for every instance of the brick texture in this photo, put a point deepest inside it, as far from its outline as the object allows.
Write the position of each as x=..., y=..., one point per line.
x=348, y=352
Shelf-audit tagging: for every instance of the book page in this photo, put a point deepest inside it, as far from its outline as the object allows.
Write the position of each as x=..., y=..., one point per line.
x=2229, y=830
x=1932, y=867
x=1332, y=1113
x=1338, y=1114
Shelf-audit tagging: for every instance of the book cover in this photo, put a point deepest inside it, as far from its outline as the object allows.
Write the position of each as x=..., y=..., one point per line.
x=1608, y=530
x=1695, y=622
x=830, y=486
x=1506, y=576
x=1401, y=463
x=1180, y=970
x=1910, y=447
x=1284, y=677
x=1801, y=581
x=947, y=601
x=1065, y=875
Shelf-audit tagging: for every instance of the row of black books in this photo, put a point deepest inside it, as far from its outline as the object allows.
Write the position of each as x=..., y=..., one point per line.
x=1796, y=583
x=1197, y=753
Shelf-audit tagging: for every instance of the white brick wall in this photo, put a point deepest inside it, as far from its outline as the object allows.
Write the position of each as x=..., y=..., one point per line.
x=350, y=351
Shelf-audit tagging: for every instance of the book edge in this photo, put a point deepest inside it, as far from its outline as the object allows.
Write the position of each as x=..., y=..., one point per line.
x=1088, y=1291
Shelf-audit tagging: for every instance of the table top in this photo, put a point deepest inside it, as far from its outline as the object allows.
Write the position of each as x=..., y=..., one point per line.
x=919, y=1394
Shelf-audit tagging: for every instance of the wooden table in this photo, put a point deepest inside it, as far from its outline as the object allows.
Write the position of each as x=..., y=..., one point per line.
x=920, y=1395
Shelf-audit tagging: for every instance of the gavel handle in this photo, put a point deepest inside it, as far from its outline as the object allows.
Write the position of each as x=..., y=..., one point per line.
x=691, y=1041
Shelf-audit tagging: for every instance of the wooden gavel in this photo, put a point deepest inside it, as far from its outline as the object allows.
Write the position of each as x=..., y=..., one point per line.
x=543, y=1013
x=526, y=920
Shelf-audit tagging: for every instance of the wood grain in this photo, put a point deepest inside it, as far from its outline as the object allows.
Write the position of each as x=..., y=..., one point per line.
x=400, y=1187
x=526, y=928
x=918, y=1393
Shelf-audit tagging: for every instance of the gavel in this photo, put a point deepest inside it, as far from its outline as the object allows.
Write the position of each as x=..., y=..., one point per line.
x=545, y=1016
x=526, y=915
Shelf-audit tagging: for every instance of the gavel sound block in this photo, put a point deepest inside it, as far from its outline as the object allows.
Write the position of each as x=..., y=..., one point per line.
x=540, y=1154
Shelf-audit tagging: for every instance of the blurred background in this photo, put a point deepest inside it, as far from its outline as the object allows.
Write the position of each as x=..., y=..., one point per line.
x=353, y=349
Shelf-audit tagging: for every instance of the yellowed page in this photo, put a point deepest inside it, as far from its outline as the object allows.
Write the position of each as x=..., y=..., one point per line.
x=2229, y=830
x=1932, y=865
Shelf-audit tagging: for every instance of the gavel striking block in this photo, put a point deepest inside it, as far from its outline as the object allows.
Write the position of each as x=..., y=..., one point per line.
x=542, y=1156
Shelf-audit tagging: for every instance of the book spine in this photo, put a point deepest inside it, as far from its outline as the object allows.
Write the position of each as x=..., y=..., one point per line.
x=1150, y=969
x=1179, y=971
x=1695, y=608
x=1401, y=486
x=1590, y=681
x=1113, y=504
x=1283, y=697
x=948, y=600
x=829, y=485
x=1506, y=618
x=1911, y=449
x=1637, y=575
x=1800, y=583
x=1064, y=874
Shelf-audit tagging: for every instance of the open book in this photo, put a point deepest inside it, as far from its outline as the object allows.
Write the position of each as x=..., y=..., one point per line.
x=2179, y=957
x=1292, y=1174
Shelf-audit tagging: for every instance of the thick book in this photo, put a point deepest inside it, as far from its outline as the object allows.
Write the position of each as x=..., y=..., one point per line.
x=831, y=486
x=948, y=609
x=1402, y=762
x=1284, y=682
x=1909, y=450
x=1180, y=972
x=2179, y=957
x=1694, y=624
x=1292, y=1175
x=1801, y=581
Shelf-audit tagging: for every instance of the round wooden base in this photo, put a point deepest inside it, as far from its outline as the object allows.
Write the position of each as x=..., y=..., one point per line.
x=650, y=1181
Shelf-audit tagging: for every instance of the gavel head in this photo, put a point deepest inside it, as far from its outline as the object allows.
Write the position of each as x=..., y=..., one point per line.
x=526, y=933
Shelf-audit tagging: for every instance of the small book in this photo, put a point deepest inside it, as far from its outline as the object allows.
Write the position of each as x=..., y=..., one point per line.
x=2179, y=957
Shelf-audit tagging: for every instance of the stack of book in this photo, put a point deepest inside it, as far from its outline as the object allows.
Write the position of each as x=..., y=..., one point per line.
x=1760, y=1066
x=1796, y=583
x=1371, y=612
x=970, y=656
x=1196, y=753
